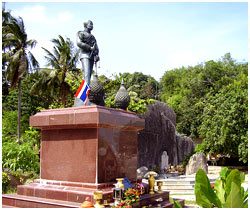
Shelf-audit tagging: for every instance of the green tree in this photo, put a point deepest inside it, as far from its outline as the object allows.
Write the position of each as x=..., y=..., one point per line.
x=225, y=120
x=137, y=85
x=56, y=79
x=30, y=104
x=210, y=102
x=16, y=56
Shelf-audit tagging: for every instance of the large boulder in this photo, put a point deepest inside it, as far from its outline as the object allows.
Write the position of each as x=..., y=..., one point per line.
x=196, y=162
x=158, y=137
x=185, y=146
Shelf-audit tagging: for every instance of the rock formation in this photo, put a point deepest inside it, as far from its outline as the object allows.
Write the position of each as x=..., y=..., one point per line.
x=159, y=141
x=196, y=162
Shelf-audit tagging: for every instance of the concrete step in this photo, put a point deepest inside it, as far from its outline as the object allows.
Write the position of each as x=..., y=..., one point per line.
x=175, y=191
x=177, y=186
x=21, y=201
x=182, y=184
x=176, y=181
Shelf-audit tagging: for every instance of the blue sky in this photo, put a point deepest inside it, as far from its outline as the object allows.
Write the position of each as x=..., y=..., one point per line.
x=148, y=37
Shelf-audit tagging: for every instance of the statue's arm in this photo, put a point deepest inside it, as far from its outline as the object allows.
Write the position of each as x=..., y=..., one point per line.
x=96, y=52
x=81, y=44
x=96, y=49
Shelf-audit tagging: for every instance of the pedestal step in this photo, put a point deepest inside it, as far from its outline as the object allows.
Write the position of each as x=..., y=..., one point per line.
x=21, y=201
x=64, y=193
x=6, y=206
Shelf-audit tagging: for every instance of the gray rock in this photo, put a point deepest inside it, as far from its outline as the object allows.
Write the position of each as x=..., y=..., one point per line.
x=185, y=146
x=196, y=162
x=158, y=136
x=159, y=144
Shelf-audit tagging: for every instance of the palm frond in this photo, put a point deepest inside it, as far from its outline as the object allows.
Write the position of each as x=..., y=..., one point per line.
x=32, y=60
x=31, y=43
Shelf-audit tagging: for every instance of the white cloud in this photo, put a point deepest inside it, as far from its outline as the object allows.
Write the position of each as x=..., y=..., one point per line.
x=39, y=14
x=65, y=16
x=33, y=14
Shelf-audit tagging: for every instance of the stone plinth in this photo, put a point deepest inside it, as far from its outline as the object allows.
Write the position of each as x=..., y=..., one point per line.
x=91, y=144
x=83, y=149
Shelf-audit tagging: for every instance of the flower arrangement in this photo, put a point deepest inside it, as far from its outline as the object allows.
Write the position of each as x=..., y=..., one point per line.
x=130, y=197
x=167, y=170
x=139, y=188
x=180, y=168
x=172, y=169
x=123, y=204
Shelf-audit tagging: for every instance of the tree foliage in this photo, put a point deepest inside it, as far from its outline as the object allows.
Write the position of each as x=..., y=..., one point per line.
x=16, y=58
x=210, y=102
x=63, y=62
x=141, y=88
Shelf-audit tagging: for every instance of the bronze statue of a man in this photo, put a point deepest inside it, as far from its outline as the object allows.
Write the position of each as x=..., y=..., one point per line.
x=89, y=54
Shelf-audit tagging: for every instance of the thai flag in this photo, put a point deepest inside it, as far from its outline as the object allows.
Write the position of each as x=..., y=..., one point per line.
x=83, y=92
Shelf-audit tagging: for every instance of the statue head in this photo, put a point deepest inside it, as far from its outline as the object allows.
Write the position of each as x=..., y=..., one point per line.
x=88, y=25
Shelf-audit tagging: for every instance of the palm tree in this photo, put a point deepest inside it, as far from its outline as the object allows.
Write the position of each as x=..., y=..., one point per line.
x=16, y=56
x=63, y=61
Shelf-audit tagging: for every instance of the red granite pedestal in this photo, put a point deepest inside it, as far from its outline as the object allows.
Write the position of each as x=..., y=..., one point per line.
x=83, y=149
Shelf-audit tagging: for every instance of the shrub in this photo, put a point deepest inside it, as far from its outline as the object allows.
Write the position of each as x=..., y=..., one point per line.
x=32, y=136
x=227, y=191
x=15, y=156
x=187, y=158
x=5, y=181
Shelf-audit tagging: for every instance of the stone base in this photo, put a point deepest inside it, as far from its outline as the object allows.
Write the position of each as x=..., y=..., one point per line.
x=57, y=194
x=21, y=201
x=90, y=144
x=51, y=194
x=29, y=201
x=70, y=192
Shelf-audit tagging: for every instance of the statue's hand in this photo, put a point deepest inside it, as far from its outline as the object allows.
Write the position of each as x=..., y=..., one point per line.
x=97, y=58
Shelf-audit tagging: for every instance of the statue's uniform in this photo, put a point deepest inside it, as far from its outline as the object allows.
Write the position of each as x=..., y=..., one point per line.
x=84, y=41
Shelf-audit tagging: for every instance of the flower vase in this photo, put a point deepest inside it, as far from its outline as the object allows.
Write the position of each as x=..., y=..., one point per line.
x=159, y=184
x=151, y=181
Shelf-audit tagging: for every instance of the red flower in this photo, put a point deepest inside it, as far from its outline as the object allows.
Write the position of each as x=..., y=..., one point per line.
x=212, y=186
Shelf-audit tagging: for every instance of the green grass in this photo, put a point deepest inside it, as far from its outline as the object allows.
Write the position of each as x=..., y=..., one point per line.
x=171, y=200
x=190, y=203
